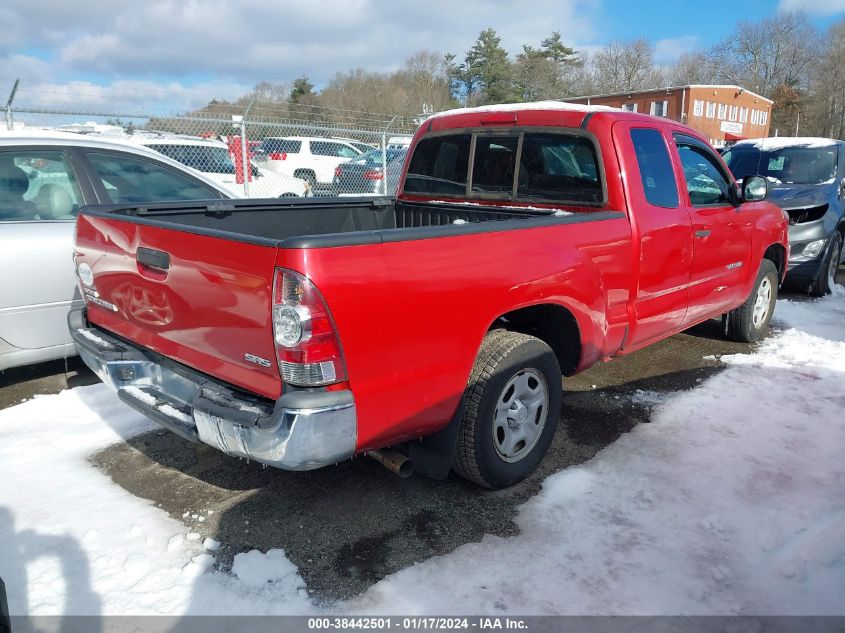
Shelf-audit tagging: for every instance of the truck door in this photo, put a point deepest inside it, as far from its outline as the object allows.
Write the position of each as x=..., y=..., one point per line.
x=722, y=232
x=661, y=232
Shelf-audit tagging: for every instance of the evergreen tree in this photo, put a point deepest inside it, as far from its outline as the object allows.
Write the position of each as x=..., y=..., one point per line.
x=301, y=88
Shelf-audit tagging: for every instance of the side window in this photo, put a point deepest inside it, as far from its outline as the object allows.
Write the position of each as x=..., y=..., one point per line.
x=494, y=164
x=37, y=185
x=281, y=146
x=335, y=150
x=559, y=167
x=131, y=179
x=439, y=165
x=706, y=183
x=656, y=172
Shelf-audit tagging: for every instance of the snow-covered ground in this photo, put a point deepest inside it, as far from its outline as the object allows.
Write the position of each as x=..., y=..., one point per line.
x=731, y=501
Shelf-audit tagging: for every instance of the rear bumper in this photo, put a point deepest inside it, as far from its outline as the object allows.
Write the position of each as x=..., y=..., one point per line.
x=300, y=431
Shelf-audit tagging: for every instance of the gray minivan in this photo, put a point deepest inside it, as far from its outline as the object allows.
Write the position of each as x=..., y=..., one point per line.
x=807, y=179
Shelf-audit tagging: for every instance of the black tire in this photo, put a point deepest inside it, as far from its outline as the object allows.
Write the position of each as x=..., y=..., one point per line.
x=742, y=324
x=505, y=357
x=308, y=176
x=827, y=272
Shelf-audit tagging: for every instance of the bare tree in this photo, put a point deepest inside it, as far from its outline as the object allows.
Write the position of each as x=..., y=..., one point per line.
x=622, y=66
x=692, y=68
x=763, y=55
x=823, y=107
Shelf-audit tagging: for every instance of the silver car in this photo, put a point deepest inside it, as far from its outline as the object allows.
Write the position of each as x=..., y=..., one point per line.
x=44, y=178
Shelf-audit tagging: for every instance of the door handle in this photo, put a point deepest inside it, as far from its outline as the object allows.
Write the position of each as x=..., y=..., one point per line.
x=703, y=233
x=153, y=259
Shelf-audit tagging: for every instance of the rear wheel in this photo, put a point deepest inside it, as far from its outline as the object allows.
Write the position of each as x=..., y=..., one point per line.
x=827, y=275
x=512, y=410
x=749, y=322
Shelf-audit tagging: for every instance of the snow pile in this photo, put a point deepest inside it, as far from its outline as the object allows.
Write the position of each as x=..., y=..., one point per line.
x=731, y=501
x=561, y=106
x=71, y=542
x=257, y=569
x=781, y=142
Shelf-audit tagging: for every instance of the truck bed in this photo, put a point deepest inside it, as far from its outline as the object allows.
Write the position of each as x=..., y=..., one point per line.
x=328, y=221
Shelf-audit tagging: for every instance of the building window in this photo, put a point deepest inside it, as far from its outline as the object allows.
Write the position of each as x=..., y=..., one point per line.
x=755, y=117
x=763, y=117
x=698, y=108
x=723, y=111
x=629, y=107
x=659, y=108
x=732, y=113
x=711, y=110
x=743, y=115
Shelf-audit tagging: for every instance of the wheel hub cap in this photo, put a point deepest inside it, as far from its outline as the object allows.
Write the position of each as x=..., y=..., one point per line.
x=761, y=303
x=520, y=417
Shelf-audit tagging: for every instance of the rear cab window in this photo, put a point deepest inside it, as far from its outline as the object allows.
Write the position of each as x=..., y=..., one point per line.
x=521, y=165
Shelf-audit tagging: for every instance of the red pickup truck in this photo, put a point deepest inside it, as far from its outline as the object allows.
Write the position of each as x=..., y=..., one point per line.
x=526, y=242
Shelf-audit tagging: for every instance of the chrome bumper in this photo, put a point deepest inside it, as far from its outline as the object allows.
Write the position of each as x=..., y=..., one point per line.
x=300, y=431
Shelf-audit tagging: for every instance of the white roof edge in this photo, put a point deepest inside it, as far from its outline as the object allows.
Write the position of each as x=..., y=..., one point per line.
x=528, y=105
x=644, y=91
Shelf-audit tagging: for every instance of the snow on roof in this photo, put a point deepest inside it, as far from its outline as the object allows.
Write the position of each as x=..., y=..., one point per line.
x=531, y=105
x=779, y=142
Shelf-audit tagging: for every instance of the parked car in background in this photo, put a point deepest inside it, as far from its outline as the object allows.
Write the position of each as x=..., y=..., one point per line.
x=807, y=180
x=312, y=159
x=213, y=159
x=364, y=147
x=366, y=174
x=44, y=178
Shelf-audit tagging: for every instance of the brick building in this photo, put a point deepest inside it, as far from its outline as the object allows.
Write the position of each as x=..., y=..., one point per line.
x=720, y=113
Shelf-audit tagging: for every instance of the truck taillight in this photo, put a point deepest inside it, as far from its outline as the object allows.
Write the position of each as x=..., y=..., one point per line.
x=373, y=174
x=338, y=172
x=278, y=156
x=307, y=346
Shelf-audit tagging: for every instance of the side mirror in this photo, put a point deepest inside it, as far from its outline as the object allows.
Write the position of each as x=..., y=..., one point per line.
x=754, y=188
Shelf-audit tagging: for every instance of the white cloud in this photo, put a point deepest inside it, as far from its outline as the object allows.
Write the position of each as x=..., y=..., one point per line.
x=670, y=49
x=253, y=40
x=124, y=96
x=817, y=7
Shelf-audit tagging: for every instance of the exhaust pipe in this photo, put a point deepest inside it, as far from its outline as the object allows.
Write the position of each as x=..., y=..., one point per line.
x=394, y=461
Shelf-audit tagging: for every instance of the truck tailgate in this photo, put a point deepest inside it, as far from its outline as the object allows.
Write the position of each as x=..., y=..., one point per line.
x=200, y=300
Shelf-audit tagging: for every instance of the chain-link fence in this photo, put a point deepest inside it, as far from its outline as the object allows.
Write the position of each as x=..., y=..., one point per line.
x=256, y=156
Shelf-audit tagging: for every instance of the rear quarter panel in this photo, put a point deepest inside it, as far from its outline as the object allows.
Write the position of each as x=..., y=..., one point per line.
x=411, y=315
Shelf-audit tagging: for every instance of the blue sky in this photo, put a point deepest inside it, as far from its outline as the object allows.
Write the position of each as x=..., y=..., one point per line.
x=701, y=23
x=178, y=54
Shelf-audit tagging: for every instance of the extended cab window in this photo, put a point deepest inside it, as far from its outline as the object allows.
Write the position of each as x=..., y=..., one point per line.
x=130, y=179
x=37, y=185
x=439, y=165
x=706, y=183
x=656, y=172
x=559, y=167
